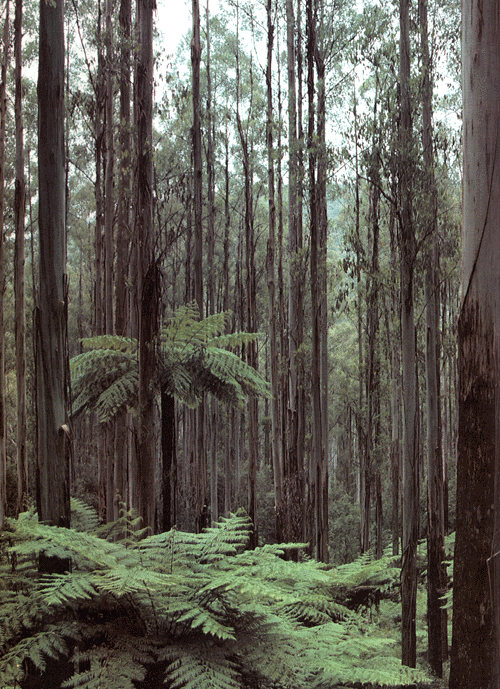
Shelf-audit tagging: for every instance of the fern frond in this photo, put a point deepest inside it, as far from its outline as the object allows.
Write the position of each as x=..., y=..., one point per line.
x=117, y=343
x=106, y=379
x=48, y=643
x=201, y=666
x=83, y=517
x=109, y=667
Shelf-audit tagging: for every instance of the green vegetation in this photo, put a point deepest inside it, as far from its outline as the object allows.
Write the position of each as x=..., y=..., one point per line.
x=190, y=610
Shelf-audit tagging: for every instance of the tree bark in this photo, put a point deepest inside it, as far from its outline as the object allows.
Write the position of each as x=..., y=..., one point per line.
x=3, y=121
x=410, y=447
x=291, y=512
x=276, y=441
x=475, y=651
x=52, y=362
x=19, y=263
x=147, y=267
x=436, y=573
x=122, y=291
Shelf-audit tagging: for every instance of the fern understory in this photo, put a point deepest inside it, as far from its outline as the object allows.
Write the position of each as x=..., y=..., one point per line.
x=190, y=611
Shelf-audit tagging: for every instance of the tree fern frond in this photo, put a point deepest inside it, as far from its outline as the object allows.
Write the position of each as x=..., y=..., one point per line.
x=201, y=666
x=48, y=643
x=109, y=667
x=83, y=517
x=127, y=345
x=95, y=371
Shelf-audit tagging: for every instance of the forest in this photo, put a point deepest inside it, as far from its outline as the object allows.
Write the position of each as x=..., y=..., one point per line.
x=249, y=345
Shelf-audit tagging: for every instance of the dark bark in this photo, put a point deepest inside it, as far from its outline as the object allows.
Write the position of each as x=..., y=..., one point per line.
x=3, y=119
x=149, y=279
x=475, y=651
x=51, y=322
x=168, y=516
x=436, y=572
x=276, y=441
x=19, y=264
x=410, y=448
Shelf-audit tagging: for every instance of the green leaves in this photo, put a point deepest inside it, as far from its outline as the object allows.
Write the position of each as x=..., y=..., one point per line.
x=192, y=356
x=200, y=608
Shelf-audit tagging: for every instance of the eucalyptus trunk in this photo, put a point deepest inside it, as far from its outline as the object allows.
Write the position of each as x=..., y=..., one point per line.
x=436, y=571
x=19, y=264
x=410, y=446
x=52, y=368
x=276, y=440
x=475, y=649
x=148, y=277
x=3, y=118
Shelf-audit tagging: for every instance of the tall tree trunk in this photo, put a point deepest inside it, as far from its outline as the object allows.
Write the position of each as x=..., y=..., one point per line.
x=436, y=573
x=122, y=292
x=318, y=473
x=99, y=304
x=111, y=501
x=3, y=121
x=52, y=363
x=200, y=480
x=410, y=448
x=475, y=650
x=147, y=267
x=294, y=457
x=19, y=263
x=276, y=441
x=371, y=470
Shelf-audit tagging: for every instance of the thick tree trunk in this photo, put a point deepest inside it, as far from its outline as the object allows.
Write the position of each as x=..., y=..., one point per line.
x=475, y=653
x=19, y=263
x=51, y=362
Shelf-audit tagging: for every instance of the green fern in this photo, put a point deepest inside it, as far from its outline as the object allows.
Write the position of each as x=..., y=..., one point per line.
x=200, y=608
x=193, y=356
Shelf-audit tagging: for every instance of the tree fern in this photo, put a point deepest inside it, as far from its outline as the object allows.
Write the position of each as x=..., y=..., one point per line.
x=193, y=357
x=199, y=608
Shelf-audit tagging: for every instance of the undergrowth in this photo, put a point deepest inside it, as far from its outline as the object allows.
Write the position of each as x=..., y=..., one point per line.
x=192, y=611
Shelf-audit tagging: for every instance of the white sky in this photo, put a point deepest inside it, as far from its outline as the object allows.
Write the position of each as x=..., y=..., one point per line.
x=173, y=19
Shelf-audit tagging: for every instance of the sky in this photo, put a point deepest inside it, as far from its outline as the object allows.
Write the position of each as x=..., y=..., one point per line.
x=173, y=18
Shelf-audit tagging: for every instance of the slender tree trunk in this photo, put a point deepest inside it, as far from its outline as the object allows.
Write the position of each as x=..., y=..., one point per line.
x=52, y=362
x=410, y=410
x=148, y=269
x=99, y=303
x=371, y=469
x=111, y=500
x=475, y=650
x=276, y=441
x=201, y=507
x=123, y=232
x=318, y=473
x=3, y=121
x=19, y=263
x=436, y=573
